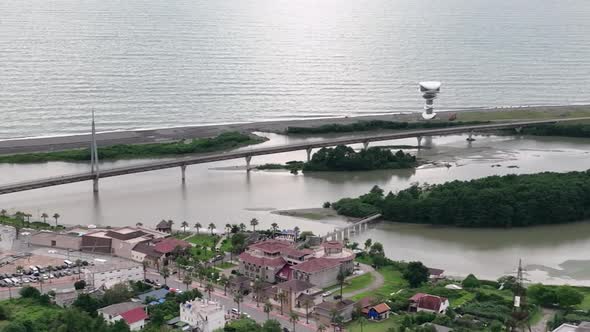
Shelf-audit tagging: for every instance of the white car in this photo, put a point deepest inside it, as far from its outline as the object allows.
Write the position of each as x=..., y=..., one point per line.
x=326, y=294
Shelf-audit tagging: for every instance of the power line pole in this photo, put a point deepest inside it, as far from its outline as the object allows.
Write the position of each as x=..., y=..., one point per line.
x=94, y=157
x=520, y=310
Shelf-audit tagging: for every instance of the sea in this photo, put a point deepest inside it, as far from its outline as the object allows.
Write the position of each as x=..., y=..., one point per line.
x=151, y=63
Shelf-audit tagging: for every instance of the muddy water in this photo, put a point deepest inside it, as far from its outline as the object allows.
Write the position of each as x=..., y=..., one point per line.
x=223, y=193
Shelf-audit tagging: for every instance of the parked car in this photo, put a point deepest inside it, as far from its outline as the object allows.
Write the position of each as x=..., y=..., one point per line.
x=337, y=297
x=326, y=294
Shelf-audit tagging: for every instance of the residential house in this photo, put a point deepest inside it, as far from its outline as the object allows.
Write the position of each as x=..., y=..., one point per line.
x=135, y=318
x=325, y=310
x=435, y=274
x=203, y=315
x=582, y=327
x=112, y=312
x=155, y=295
x=157, y=251
x=377, y=312
x=428, y=303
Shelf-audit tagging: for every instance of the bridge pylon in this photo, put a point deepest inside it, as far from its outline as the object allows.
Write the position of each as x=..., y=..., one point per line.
x=94, y=157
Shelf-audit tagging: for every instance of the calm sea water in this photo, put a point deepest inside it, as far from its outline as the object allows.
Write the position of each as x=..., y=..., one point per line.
x=147, y=63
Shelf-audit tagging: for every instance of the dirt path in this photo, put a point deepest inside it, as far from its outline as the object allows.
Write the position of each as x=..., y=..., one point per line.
x=377, y=282
x=541, y=325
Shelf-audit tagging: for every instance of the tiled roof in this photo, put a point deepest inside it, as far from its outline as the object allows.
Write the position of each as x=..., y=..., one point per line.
x=427, y=301
x=290, y=251
x=167, y=245
x=119, y=236
x=134, y=315
x=118, y=308
x=335, y=305
x=365, y=302
x=381, y=308
x=285, y=272
x=147, y=249
x=295, y=285
x=316, y=264
x=156, y=294
x=435, y=272
x=262, y=261
x=163, y=225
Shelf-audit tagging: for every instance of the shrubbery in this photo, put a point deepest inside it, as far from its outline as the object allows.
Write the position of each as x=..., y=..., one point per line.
x=377, y=125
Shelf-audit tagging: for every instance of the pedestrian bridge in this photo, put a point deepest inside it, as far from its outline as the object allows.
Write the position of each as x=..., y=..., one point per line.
x=247, y=154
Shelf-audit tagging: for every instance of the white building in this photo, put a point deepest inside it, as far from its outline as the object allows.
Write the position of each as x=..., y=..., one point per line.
x=206, y=316
x=109, y=274
x=429, y=303
x=132, y=313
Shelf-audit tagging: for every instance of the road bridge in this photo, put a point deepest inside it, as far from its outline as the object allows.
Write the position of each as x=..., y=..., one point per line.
x=247, y=154
x=355, y=228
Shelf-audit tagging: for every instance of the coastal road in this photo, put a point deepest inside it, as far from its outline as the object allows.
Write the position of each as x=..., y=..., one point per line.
x=248, y=306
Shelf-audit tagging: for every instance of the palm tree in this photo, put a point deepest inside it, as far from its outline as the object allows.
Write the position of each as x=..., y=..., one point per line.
x=321, y=328
x=165, y=274
x=224, y=281
x=227, y=228
x=145, y=265
x=293, y=318
x=209, y=288
x=79, y=265
x=184, y=225
x=242, y=227
x=275, y=227
x=187, y=280
x=19, y=270
x=368, y=244
x=254, y=223
x=338, y=321
x=257, y=290
x=362, y=321
x=282, y=298
x=19, y=215
x=44, y=216
x=296, y=229
x=28, y=216
x=139, y=224
x=341, y=277
x=267, y=309
x=238, y=298
x=307, y=303
x=197, y=226
x=211, y=228
x=56, y=216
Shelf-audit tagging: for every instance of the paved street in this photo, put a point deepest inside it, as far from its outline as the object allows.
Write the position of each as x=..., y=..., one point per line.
x=248, y=306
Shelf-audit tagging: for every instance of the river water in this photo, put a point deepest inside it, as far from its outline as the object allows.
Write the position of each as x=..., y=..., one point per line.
x=223, y=193
x=151, y=63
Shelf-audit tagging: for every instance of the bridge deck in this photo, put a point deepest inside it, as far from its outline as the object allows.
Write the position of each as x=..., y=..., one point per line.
x=191, y=160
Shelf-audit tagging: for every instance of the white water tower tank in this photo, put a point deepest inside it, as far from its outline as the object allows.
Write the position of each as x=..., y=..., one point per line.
x=429, y=90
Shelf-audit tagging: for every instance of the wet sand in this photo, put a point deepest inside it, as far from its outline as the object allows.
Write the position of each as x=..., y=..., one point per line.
x=140, y=136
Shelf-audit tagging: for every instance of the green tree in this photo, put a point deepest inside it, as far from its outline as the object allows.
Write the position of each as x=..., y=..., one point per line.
x=362, y=321
x=165, y=273
x=341, y=277
x=257, y=287
x=274, y=227
x=211, y=228
x=568, y=296
x=209, y=288
x=282, y=297
x=29, y=292
x=542, y=295
x=184, y=225
x=238, y=298
x=187, y=280
x=254, y=223
x=376, y=249
x=44, y=216
x=80, y=284
x=470, y=282
x=416, y=274
x=307, y=304
x=293, y=318
x=56, y=217
x=87, y=303
x=198, y=226
x=267, y=309
x=271, y=326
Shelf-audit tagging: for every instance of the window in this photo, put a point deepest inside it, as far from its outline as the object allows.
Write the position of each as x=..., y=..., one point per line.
x=53, y=244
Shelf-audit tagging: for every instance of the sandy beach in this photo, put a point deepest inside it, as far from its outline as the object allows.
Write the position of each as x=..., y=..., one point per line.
x=140, y=136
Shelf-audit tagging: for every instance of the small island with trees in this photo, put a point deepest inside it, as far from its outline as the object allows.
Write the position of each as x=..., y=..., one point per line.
x=494, y=201
x=345, y=158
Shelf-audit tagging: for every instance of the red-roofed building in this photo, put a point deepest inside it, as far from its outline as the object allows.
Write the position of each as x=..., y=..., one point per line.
x=377, y=312
x=429, y=303
x=322, y=272
x=135, y=318
x=167, y=245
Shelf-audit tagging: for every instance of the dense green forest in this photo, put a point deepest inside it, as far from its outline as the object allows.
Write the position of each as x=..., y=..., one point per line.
x=345, y=158
x=495, y=201
x=224, y=141
x=569, y=130
x=377, y=125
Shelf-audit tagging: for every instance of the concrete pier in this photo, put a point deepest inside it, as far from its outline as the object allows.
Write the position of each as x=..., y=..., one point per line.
x=183, y=172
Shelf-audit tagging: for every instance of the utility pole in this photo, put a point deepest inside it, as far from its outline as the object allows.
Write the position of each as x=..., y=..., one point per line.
x=520, y=313
x=94, y=157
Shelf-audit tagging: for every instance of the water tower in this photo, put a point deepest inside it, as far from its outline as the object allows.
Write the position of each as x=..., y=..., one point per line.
x=429, y=91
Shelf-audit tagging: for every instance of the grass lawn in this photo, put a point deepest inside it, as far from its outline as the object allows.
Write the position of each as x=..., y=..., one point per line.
x=353, y=284
x=226, y=245
x=392, y=321
x=202, y=254
x=204, y=240
x=520, y=114
x=225, y=265
x=393, y=283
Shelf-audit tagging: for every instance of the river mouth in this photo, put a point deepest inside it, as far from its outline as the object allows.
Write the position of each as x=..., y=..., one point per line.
x=232, y=195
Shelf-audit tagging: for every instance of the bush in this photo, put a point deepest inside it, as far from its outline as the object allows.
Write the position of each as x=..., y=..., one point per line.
x=327, y=205
x=416, y=274
x=568, y=296
x=30, y=292
x=470, y=282
x=80, y=284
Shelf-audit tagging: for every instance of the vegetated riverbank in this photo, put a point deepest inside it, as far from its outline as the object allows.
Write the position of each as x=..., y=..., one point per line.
x=345, y=158
x=494, y=201
x=378, y=125
x=224, y=141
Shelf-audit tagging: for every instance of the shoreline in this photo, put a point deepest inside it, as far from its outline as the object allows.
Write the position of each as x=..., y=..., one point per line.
x=162, y=135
